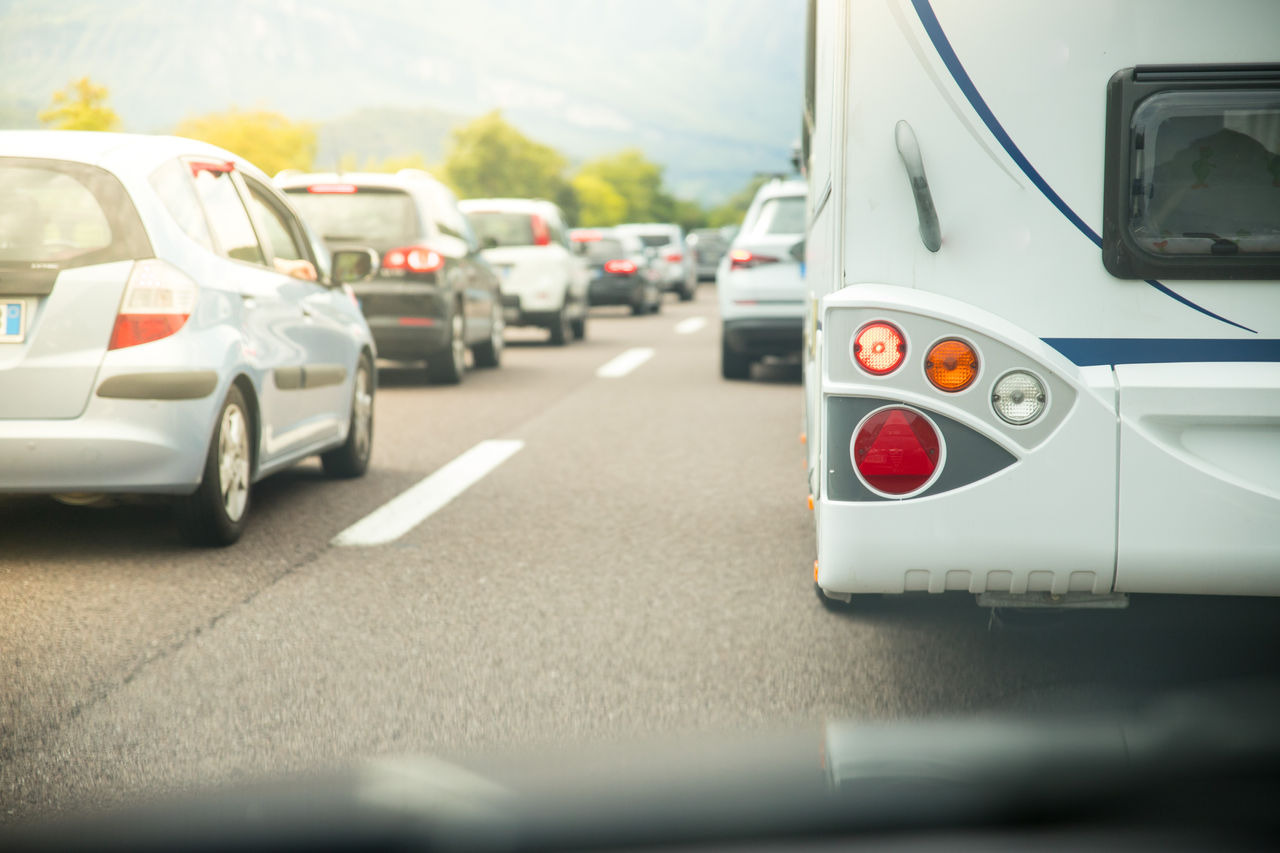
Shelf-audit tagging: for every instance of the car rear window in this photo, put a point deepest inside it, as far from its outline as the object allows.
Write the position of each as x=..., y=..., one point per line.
x=653, y=240
x=781, y=215
x=504, y=229
x=605, y=249
x=62, y=214
x=380, y=218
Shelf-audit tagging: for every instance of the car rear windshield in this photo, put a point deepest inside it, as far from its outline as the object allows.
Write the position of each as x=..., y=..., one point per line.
x=605, y=249
x=62, y=214
x=375, y=217
x=495, y=228
x=1206, y=172
x=781, y=215
x=652, y=240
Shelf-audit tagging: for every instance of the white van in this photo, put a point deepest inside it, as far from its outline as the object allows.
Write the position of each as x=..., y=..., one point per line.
x=543, y=283
x=1043, y=332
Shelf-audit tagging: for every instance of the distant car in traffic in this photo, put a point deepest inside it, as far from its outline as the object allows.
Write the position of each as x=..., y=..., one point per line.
x=432, y=296
x=169, y=327
x=667, y=242
x=527, y=243
x=706, y=246
x=759, y=284
x=619, y=272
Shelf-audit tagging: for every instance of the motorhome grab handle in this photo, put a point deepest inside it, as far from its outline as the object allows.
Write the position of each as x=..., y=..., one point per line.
x=909, y=151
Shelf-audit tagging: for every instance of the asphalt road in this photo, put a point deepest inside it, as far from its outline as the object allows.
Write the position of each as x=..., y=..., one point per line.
x=641, y=568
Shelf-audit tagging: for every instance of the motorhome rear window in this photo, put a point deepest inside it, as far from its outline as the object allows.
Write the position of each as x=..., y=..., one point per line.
x=1194, y=180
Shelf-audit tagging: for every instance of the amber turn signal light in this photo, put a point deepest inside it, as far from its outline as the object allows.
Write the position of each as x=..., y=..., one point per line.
x=951, y=365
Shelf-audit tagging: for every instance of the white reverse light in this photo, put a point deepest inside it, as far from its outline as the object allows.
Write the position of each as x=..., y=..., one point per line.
x=1018, y=398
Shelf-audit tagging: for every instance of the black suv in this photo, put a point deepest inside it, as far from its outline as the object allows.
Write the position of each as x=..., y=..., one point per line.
x=431, y=296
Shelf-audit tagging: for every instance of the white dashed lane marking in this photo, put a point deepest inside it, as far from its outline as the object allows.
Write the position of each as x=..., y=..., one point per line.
x=410, y=508
x=624, y=363
x=689, y=325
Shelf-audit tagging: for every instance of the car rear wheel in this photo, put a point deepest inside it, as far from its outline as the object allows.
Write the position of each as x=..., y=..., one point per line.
x=352, y=458
x=448, y=365
x=489, y=353
x=216, y=512
x=580, y=327
x=561, y=328
x=687, y=293
x=733, y=364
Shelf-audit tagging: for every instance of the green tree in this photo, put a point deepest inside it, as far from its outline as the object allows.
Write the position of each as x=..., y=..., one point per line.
x=80, y=106
x=689, y=214
x=638, y=181
x=599, y=204
x=267, y=140
x=489, y=158
x=735, y=207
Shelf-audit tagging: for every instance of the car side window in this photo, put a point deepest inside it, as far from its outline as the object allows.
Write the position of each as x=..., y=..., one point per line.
x=277, y=224
x=226, y=212
x=172, y=185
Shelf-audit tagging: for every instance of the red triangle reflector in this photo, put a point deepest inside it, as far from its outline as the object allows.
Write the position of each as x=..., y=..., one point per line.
x=896, y=451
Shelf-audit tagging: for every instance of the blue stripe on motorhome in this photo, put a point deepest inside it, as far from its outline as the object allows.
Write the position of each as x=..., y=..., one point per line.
x=1088, y=352
x=949, y=58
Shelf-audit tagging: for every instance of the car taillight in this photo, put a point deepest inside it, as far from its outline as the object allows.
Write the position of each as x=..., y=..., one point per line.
x=674, y=257
x=741, y=259
x=541, y=236
x=327, y=189
x=586, y=236
x=413, y=259
x=951, y=365
x=896, y=451
x=618, y=267
x=157, y=302
x=879, y=348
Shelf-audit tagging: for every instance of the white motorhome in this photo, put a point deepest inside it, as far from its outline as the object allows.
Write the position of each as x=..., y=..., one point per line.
x=1043, y=334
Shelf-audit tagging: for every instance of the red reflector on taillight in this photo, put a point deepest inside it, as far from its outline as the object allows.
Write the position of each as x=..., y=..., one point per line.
x=619, y=267
x=133, y=329
x=332, y=188
x=541, y=236
x=413, y=259
x=879, y=348
x=896, y=451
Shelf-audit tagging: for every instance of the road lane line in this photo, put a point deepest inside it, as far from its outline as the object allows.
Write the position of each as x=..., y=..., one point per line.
x=410, y=508
x=689, y=325
x=624, y=363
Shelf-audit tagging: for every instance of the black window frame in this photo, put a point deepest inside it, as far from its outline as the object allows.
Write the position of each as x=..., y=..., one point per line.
x=1127, y=90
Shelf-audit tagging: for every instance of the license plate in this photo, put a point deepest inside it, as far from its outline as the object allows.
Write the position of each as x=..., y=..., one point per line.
x=13, y=322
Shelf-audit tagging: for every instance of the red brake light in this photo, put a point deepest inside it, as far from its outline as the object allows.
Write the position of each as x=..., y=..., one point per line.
x=741, y=259
x=157, y=302
x=413, y=259
x=675, y=257
x=896, y=451
x=332, y=188
x=585, y=236
x=879, y=348
x=620, y=267
x=541, y=236
x=198, y=166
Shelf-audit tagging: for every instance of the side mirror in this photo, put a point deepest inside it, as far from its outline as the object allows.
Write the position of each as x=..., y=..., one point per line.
x=797, y=251
x=354, y=265
x=489, y=242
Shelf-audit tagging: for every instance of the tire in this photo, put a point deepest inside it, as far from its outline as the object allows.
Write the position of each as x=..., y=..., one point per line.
x=733, y=364
x=216, y=512
x=352, y=458
x=448, y=365
x=561, y=329
x=639, y=309
x=656, y=307
x=687, y=293
x=580, y=328
x=489, y=353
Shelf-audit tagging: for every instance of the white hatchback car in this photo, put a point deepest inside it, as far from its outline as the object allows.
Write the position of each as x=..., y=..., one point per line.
x=759, y=283
x=543, y=282
x=170, y=327
x=673, y=262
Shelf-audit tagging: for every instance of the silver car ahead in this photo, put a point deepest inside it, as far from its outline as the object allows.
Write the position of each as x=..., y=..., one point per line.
x=168, y=326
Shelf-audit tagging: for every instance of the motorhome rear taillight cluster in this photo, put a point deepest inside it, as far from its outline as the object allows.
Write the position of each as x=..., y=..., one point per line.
x=951, y=365
x=896, y=450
